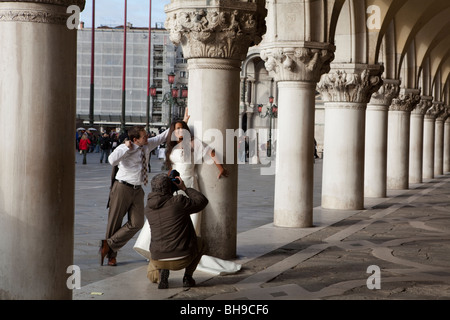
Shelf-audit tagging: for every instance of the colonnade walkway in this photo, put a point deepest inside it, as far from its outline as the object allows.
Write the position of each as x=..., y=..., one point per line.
x=396, y=248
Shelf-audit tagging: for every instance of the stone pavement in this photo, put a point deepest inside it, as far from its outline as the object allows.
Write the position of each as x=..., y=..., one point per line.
x=396, y=248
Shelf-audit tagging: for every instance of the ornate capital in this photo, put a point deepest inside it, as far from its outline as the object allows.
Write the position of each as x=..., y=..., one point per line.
x=64, y=3
x=298, y=64
x=225, y=30
x=357, y=85
x=435, y=111
x=426, y=102
x=445, y=113
x=406, y=101
x=388, y=91
x=19, y=11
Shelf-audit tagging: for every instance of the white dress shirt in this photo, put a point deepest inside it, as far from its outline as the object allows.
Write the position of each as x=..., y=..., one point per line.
x=130, y=160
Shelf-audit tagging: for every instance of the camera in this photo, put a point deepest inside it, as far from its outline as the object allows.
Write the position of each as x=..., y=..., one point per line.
x=176, y=181
x=173, y=174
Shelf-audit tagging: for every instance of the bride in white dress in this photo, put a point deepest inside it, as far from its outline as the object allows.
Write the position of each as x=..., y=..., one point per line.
x=181, y=149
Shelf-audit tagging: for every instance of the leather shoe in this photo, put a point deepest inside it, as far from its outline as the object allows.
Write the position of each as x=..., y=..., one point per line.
x=104, y=250
x=188, y=281
x=163, y=279
x=112, y=262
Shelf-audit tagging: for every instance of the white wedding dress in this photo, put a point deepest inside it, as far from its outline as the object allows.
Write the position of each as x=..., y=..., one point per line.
x=207, y=263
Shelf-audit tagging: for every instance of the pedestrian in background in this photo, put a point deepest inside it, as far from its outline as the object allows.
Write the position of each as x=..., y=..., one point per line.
x=105, y=147
x=84, y=146
x=114, y=141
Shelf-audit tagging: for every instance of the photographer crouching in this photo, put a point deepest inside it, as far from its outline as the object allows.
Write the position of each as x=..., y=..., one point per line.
x=174, y=244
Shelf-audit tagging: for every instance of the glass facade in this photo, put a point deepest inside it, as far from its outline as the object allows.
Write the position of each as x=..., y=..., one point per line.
x=108, y=71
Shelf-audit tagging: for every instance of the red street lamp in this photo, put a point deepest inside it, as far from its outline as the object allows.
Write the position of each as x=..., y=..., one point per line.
x=274, y=109
x=153, y=91
x=174, y=92
x=184, y=92
x=171, y=78
x=172, y=96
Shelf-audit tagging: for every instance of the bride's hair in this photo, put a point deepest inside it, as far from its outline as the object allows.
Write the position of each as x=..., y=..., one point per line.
x=171, y=143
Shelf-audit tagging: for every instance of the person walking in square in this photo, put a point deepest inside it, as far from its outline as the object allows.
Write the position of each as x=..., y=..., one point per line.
x=105, y=147
x=84, y=146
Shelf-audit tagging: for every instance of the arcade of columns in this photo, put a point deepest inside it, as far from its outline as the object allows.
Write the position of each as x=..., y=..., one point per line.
x=386, y=91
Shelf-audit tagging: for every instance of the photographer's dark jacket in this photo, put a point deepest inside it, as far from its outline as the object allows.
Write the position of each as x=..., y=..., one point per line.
x=173, y=234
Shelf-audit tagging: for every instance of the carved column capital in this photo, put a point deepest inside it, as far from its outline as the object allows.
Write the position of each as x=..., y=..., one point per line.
x=406, y=101
x=435, y=111
x=64, y=3
x=388, y=91
x=224, y=30
x=298, y=63
x=356, y=84
x=426, y=102
x=37, y=11
x=445, y=113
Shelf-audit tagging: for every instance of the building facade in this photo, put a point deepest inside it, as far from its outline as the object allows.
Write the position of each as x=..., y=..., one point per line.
x=108, y=64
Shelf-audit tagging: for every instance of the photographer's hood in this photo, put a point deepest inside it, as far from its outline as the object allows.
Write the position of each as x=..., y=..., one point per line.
x=156, y=200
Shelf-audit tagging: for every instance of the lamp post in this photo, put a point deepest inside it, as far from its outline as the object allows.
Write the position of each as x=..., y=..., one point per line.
x=173, y=94
x=152, y=93
x=172, y=97
x=271, y=112
x=149, y=62
x=124, y=72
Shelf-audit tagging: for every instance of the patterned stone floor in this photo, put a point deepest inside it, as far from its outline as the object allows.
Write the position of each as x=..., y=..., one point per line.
x=399, y=243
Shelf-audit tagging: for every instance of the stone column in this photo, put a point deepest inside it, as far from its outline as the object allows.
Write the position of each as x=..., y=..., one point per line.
x=447, y=142
x=247, y=93
x=215, y=41
x=346, y=92
x=252, y=103
x=416, y=140
x=37, y=176
x=242, y=107
x=398, y=138
x=375, y=171
x=243, y=91
x=249, y=120
x=428, y=141
x=297, y=71
x=439, y=140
